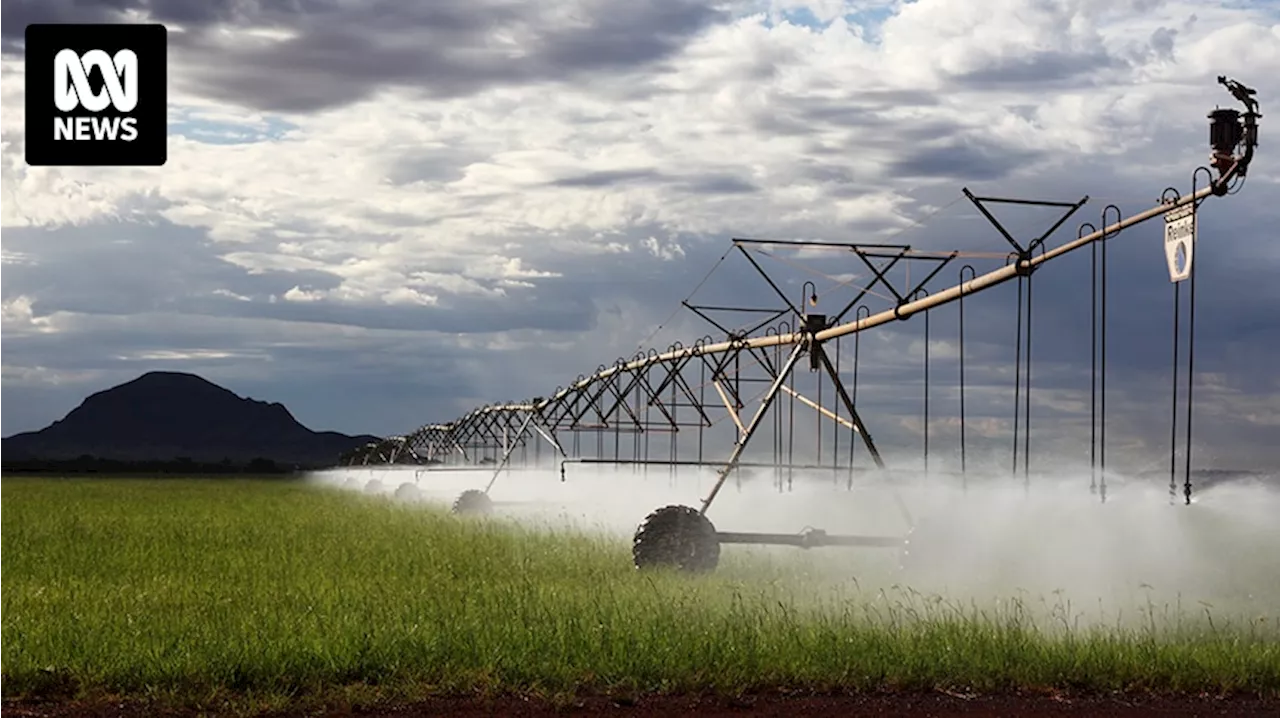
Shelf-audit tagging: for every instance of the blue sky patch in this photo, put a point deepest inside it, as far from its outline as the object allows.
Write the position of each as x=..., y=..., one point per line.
x=226, y=132
x=803, y=17
x=869, y=19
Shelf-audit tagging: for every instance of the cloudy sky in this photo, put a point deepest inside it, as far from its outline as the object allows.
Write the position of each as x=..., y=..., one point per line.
x=385, y=212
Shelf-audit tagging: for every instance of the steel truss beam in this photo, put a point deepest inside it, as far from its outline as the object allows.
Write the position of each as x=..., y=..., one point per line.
x=568, y=408
x=689, y=389
x=907, y=308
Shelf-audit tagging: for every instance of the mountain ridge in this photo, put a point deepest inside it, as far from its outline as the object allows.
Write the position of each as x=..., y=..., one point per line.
x=166, y=416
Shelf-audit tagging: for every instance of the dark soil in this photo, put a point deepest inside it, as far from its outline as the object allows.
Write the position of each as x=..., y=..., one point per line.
x=879, y=705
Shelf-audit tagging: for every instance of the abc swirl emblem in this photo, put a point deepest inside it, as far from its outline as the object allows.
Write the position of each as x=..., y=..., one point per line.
x=96, y=94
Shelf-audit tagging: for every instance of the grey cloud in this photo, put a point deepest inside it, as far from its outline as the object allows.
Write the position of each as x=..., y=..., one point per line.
x=863, y=106
x=828, y=173
x=387, y=384
x=776, y=122
x=1162, y=40
x=895, y=98
x=704, y=184
x=442, y=49
x=532, y=310
x=441, y=165
x=178, y=11
x=1046, y=68
x=17, y=14
x=960, y=159
x=864, y=111
x=721, y=184
x=113, y=271
x=392, y=381
x=607, y=177
x=343, y=53
x=846, y=114
x=928, y=130
x=629, y=34
x=408, y=219
x=114, y=268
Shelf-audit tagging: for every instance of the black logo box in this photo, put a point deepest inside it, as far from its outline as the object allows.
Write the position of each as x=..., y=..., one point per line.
x=149, y=42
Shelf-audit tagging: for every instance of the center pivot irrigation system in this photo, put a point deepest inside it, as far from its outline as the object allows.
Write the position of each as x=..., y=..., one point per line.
x=685, y=392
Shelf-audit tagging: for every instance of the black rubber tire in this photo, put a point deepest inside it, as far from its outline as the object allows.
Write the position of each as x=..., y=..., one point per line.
x=472, y=502
x=408, y=492
x=676, y=537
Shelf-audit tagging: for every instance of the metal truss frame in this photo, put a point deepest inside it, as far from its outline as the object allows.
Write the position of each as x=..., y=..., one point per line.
x=685, y=390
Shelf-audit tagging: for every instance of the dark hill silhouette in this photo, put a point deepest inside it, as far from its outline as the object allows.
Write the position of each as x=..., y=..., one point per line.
x=163, y=416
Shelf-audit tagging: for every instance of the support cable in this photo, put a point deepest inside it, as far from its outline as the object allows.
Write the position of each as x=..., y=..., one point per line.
x=817, y=459
x=1017, y=377
x=791, y=431
x=702, y=401
x=1191, y=369
x=918, y=293
x=1093, y=370
x=1173, y=414
x=1026, y=419
x=1102, y=438
x=857, y=345
x=648, y=407
x=964, y=478
x=645, y=342
x=1191, y=329
x=777, y=428
x=926, y=391
x=674, y=452
x=835, y=283
x=1093, y=360
x=835, y=429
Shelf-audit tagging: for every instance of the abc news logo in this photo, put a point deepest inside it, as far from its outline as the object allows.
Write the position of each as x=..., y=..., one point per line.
x=96, y=95
x=71, y=90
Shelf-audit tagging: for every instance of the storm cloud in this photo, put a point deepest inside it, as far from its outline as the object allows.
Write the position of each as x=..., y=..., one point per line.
x=386, y=213
x=327, y=54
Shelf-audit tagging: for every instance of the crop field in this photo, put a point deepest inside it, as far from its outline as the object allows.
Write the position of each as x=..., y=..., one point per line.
x=262, y=595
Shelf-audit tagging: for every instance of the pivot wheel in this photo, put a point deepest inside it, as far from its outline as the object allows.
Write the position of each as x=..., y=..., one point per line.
x=408, y=492
x=678, y=537
x=472, y=501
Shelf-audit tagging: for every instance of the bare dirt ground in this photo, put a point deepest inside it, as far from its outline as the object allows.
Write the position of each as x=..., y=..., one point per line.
x=878, y=705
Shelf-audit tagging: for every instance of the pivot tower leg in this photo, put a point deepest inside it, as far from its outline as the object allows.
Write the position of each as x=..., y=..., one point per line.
x=765, y=403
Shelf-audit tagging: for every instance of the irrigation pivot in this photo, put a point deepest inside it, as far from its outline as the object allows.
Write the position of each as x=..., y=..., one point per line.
x=744, y=385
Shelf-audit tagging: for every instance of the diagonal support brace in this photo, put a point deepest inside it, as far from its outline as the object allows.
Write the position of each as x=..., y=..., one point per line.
x=765, y=403
x=529, y=420
x=848, y=404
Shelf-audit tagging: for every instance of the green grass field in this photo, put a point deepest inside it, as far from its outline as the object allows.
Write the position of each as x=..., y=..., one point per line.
x=275, y=590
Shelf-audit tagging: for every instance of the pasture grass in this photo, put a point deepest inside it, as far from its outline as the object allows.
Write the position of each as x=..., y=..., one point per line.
x=274, y=591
